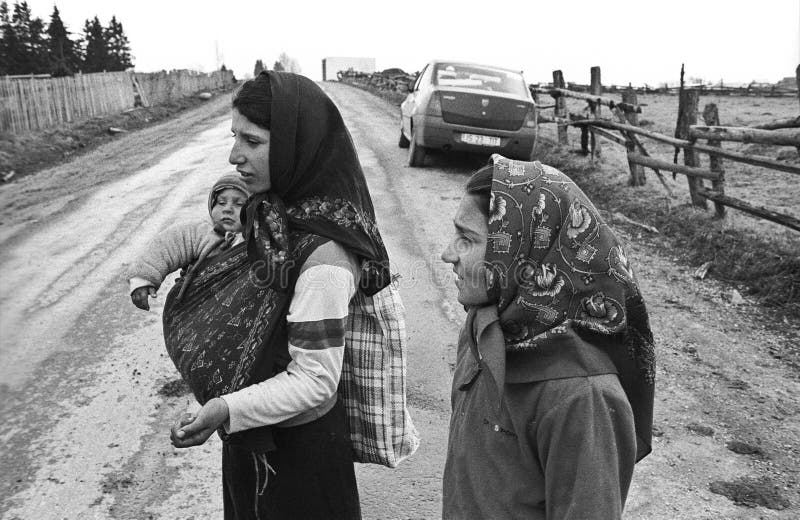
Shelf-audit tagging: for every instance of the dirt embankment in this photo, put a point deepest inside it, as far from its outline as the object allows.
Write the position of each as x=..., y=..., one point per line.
x=24, y=154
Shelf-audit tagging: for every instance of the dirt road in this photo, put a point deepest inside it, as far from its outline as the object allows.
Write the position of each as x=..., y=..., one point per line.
x=87, y=390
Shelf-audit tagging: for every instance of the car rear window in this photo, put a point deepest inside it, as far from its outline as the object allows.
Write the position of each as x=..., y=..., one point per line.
x=481, y=78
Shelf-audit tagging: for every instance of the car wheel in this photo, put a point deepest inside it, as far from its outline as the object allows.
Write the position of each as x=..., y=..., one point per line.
x=416, y=152
x=403, y=142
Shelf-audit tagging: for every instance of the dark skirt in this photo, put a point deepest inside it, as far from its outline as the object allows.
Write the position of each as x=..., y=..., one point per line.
x=311, y=474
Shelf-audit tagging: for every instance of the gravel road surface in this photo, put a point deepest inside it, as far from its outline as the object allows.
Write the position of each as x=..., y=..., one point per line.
x=87, y=391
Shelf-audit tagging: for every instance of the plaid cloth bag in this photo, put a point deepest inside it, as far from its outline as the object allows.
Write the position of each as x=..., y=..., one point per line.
x=373, y=382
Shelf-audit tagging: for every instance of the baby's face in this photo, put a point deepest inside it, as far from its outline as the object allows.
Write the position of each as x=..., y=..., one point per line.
x=225, y=212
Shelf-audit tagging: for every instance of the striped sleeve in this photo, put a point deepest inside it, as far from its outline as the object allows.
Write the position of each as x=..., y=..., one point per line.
x=316, y=323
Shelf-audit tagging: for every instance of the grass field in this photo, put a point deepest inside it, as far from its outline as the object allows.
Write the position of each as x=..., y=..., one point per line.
x=761, y=256
x=775, y=190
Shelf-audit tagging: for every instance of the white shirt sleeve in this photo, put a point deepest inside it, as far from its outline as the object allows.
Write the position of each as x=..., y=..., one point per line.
x=316, y=321
x=137, y=281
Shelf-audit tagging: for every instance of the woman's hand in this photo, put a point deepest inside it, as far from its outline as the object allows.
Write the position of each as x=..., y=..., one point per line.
x=139, y=297
x=193, y=430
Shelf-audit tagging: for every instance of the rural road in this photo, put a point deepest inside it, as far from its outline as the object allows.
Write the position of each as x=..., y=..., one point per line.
x=85, y=393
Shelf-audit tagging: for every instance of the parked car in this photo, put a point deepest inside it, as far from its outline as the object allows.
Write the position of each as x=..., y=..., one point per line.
x=467, y=107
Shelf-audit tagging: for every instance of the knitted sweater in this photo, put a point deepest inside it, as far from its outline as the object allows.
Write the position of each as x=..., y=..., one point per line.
x=175, y=248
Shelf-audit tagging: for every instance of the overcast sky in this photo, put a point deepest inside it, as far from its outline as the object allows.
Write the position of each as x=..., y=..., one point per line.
x=632, y=41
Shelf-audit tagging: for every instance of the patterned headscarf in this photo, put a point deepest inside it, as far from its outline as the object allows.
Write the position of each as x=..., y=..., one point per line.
x=554, y=262
x=317, y=186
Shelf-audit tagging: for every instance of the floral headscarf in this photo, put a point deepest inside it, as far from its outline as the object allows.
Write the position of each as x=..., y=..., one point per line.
x=554, y=262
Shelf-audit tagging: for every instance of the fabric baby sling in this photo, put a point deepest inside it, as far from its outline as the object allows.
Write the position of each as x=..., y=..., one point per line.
x=219, y=334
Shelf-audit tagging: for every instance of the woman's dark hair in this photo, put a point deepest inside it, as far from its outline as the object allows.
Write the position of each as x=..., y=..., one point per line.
x=480, y=184
x=254, y=100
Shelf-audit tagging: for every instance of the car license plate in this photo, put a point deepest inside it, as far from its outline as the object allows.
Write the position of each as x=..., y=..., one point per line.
x=480, y=140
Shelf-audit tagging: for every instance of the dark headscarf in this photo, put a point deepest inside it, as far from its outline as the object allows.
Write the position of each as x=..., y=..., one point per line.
x=317, y=186
x=555, y=262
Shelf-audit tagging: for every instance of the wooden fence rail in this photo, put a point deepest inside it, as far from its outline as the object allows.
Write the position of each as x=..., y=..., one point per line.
x=34, y=103
x=706, y=90
x=782, y=132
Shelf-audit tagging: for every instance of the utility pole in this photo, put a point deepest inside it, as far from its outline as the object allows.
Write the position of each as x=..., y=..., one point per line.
x=219, y=55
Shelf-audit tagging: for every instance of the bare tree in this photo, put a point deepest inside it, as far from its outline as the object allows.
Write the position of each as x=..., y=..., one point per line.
x=289, y=64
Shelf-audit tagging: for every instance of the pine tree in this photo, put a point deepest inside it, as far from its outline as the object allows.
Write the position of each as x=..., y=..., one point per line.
x=37, y=46
x=119, y=51
x=9, y=45
x=64, y=56
x=278, y=66
x=23, y=41
x=96, y=53
x=258, y=68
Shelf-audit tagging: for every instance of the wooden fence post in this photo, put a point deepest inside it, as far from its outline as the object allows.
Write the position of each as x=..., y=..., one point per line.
x=797, y=77
x=584, y=139
x=596, y=90
x=561, y=108
x=637, y=170
x=711, y=118
x=687, y=116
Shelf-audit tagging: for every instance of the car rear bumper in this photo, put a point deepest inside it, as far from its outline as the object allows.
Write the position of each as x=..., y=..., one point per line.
x=433, y=132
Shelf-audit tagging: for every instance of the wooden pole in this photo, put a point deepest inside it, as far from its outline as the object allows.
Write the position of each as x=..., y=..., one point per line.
x=789, y=122
x=33, y=104
x=688, y=117
x=711, y=118
x=584, y=139
x=7, y=112
x=779, y=137
x=596, y=90
x=607, y=102
x=637, y=170
x=608, y=135
x=25, y=120
x=759, y=211
x=797, y=79
x=561, y=108
x=691, y=172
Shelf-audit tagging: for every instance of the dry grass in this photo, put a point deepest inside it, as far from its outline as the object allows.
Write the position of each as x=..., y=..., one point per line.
x=761, y=257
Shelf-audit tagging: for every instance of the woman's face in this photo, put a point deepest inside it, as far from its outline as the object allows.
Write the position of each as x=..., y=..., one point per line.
x=250, y=153
x=467, y=250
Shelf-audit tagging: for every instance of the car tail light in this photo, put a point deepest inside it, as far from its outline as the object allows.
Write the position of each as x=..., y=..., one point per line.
x=434, y=105
x=530, y=118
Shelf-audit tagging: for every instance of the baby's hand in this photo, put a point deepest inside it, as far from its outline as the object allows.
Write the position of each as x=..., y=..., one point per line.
x=139, y=297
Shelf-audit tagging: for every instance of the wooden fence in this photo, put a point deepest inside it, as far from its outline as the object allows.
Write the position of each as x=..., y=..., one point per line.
x=34, y=103
x=754, y=89
x=161, y=87
x=624, y=119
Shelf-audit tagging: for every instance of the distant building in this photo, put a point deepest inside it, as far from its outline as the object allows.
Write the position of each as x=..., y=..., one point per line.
x=330, y=66
x=788, y=82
